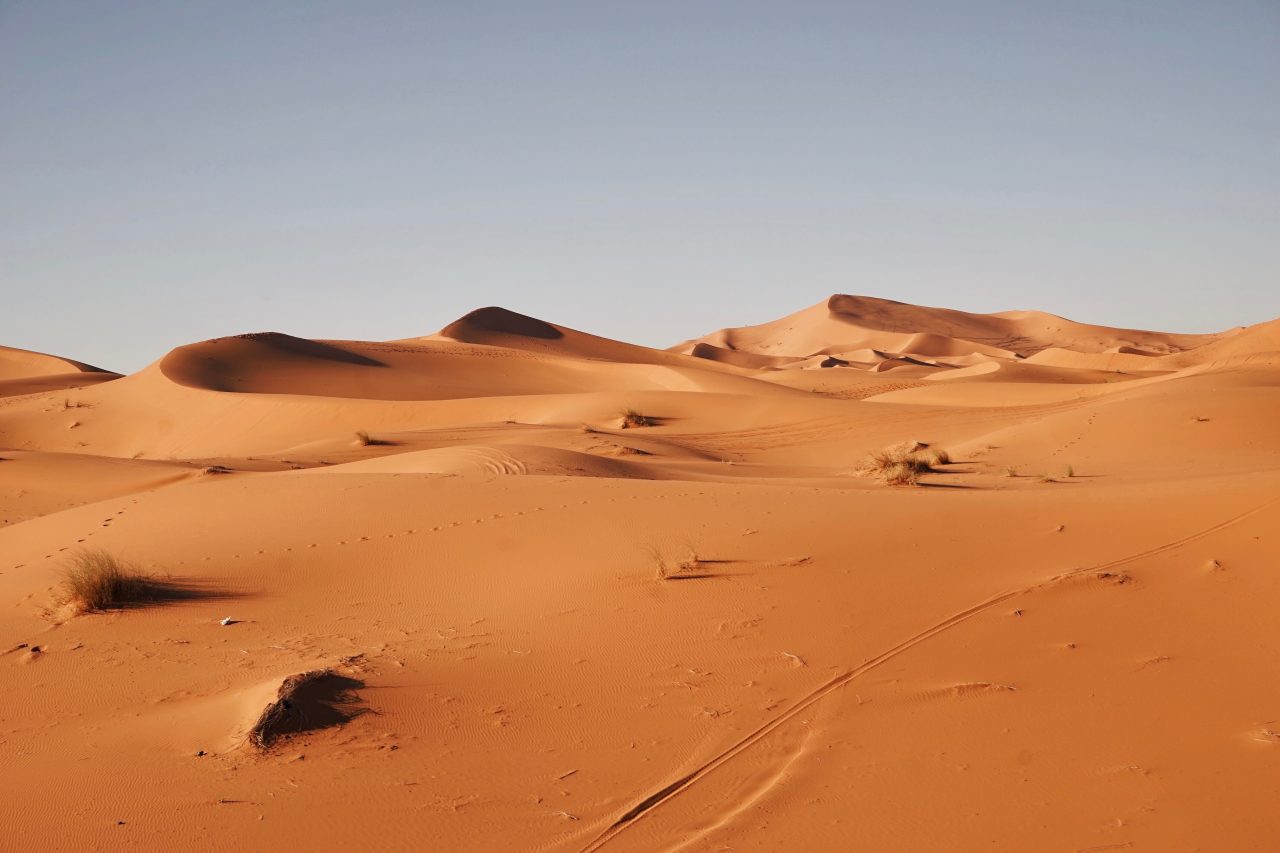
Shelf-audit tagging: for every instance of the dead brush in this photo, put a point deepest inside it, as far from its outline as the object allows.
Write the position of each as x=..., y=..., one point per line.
x=937, y=456
x=95, y=580
x=363, y=439
x=685, y=569
x=632, y=417
x=902, y=464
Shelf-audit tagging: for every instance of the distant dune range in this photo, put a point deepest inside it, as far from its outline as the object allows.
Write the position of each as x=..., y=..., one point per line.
x=513, y=586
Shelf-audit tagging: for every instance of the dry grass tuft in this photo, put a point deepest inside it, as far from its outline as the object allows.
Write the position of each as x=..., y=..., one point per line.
x=687, y=569
x=96, y=580
x=363, y=439
x=902, y=473
x=634, y=418
x=938, y=456
x=1011, y=471
x=901, y=465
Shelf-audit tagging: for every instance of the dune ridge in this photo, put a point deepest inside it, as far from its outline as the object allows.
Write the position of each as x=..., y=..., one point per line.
x=26, y=372
x=845, y=322
x=514, y=586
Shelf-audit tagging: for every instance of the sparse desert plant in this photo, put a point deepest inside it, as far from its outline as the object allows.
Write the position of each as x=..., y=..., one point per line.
x=362, y=438
x=691, y=560
x=1070, y=472
x=901, y=473
x=938, y=456
x=901, y=465
x=661, y=568
x=632, y=417
x=1045, y=478
x=1011, y=471
x=665, y=570
x=97, y=580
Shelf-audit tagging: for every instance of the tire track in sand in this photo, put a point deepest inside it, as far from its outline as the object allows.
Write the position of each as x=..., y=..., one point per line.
x=668, y=792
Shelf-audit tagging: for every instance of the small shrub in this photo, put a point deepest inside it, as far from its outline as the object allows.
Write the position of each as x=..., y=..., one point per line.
x=363, y=439
x=938, y=456
x=1071, y=471
x=96, y=580
x=659, y=560
x=634, y=418
x=901, y=465
x=1011, y=471
x=685, y=569
x=901, y=474
x=691, y=560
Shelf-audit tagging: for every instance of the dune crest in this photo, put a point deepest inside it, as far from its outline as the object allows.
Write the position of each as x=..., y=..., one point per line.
x=26, y=372
x=871, y=575
x=863, y=322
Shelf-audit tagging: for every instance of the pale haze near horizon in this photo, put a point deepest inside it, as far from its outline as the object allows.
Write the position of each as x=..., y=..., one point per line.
x=650, y=172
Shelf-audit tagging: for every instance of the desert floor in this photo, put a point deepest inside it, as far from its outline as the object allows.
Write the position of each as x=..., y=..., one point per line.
x=547, y=626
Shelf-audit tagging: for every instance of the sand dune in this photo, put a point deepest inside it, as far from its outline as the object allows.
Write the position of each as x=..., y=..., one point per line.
x=502, y=328
x=26, y=372
x=514, y=586
x=853, y=322
x=24, y=364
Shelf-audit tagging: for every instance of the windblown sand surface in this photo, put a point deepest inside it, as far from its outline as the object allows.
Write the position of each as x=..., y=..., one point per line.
x=472, y=605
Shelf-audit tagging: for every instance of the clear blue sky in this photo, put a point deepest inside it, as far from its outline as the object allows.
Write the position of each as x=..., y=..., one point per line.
x=174, y=171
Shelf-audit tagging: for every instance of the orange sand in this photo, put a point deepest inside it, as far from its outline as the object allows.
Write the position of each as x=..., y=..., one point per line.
x=1063, y=640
